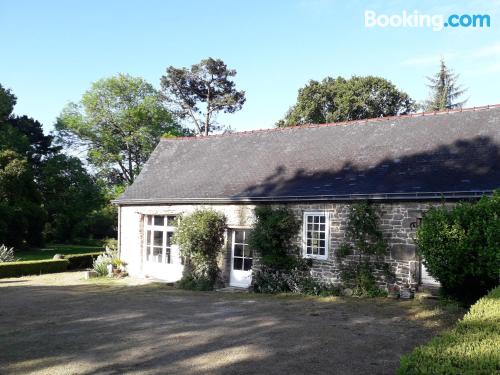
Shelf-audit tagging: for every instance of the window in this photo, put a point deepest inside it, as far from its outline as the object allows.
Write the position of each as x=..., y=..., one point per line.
x=316, y=236
x=159, y=231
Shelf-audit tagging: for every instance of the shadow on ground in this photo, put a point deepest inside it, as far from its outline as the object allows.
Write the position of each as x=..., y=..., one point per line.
x=152, y=329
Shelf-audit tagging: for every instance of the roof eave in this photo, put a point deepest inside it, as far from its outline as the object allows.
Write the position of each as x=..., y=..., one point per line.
x=345, y=197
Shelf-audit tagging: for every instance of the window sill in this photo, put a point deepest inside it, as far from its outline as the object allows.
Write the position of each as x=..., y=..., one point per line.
x=315, y=257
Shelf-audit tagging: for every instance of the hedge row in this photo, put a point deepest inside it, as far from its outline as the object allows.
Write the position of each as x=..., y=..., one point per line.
x=33, y=267
x=79, y=261
x=472, y=347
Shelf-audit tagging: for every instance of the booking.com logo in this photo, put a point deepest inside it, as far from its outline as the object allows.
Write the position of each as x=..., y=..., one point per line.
x=435, y=21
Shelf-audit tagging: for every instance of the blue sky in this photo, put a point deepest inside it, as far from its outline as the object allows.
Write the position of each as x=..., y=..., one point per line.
x=53, y=50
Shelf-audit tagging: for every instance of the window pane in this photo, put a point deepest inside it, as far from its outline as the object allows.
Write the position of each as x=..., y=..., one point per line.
x=247, y=252
x=316, y=219
x=171, y=220
x=309, y=219
x=321, y=219
x=148, y=237
x=159, y=220
x=148, y=219
x=322, y=235
x=167, y=256
x=322, y=251
x=158, y=238
x=309, y=251
x=315, y=251
x=169, y=238
x=148, y=253
x=238, y=236
x=322, y=227
x=237, y=263
x=322, y=243
x=157, y=254
x=247, y=265
x=238, y=250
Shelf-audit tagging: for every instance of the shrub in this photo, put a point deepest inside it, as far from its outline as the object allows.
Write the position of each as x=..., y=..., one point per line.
x=200, y=236
x=461, y=247
x=101, y=263
x=273, y=237
x=34, y=267
x=470, y=348
x=297, y=280
x=6, y=254
x=191, y=283
x=79, y=261
x=365, y=243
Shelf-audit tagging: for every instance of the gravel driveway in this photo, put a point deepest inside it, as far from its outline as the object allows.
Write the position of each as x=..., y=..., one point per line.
x=62, y=324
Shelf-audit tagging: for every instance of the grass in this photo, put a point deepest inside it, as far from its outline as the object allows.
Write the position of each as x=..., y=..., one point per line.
x=471, y=347
x=52, y=249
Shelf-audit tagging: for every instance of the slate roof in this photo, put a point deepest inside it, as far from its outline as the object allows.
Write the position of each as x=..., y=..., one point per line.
x=407, y=157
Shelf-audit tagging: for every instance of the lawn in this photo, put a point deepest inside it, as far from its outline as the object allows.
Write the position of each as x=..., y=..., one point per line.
x=61, y=324
x=50, y=250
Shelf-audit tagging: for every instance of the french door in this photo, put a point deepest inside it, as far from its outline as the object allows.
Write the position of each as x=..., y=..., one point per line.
x=241, y=259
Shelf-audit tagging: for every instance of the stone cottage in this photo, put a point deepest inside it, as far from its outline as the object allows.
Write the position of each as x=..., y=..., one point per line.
x=404, y=165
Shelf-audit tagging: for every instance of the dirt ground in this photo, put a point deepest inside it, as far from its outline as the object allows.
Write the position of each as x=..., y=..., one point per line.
x=62, y=324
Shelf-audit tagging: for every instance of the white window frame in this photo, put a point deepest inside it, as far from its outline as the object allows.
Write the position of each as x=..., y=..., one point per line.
x=165, y=228
x=326, y=215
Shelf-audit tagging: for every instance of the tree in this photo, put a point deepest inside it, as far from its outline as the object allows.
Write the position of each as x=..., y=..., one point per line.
x=118, y=122
x=340, y=99
x=70, y=195
x=21, y=215
x=7, y=102
x=205, y=83
x=444, y=90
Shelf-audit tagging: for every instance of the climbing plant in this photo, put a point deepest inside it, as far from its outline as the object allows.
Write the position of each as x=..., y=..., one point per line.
x=200, y=237
x=360, y=254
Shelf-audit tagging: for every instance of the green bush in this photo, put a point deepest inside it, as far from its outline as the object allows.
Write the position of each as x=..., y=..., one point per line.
x=34, y=267
x=461, y=247
x=190, y=283
x=79, y=261
x=273, y=237
x=200, y=236
x=470, y=348
x=297, y=280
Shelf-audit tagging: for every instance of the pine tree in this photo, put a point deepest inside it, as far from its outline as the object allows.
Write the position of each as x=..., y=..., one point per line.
x=444, y=90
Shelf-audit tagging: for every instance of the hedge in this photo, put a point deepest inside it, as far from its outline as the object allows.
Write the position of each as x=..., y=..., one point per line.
x=469, y=348
x=33, y=267
x=78, y=261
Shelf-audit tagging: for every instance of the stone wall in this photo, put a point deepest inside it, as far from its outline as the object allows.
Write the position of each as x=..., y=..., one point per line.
x=398, y=222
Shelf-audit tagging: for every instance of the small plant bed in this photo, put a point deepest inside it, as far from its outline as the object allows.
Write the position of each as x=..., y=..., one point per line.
x=469, y=348
x=50, y=250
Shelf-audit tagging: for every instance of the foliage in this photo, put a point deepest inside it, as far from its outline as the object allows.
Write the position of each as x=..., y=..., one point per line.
x=444, y=90
x=364, y=242
x=190, y=282
x=118, y=122
x=101, y=263
x=21, y=213
x=470, y=348
x=461, y=247
x=200, y=236
x=80, y=261
x=206, y=83
x=70, y=196
x=33, y=267
x=295, y=280
x=340, y=99
x=6, y=254
x=273, y=237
